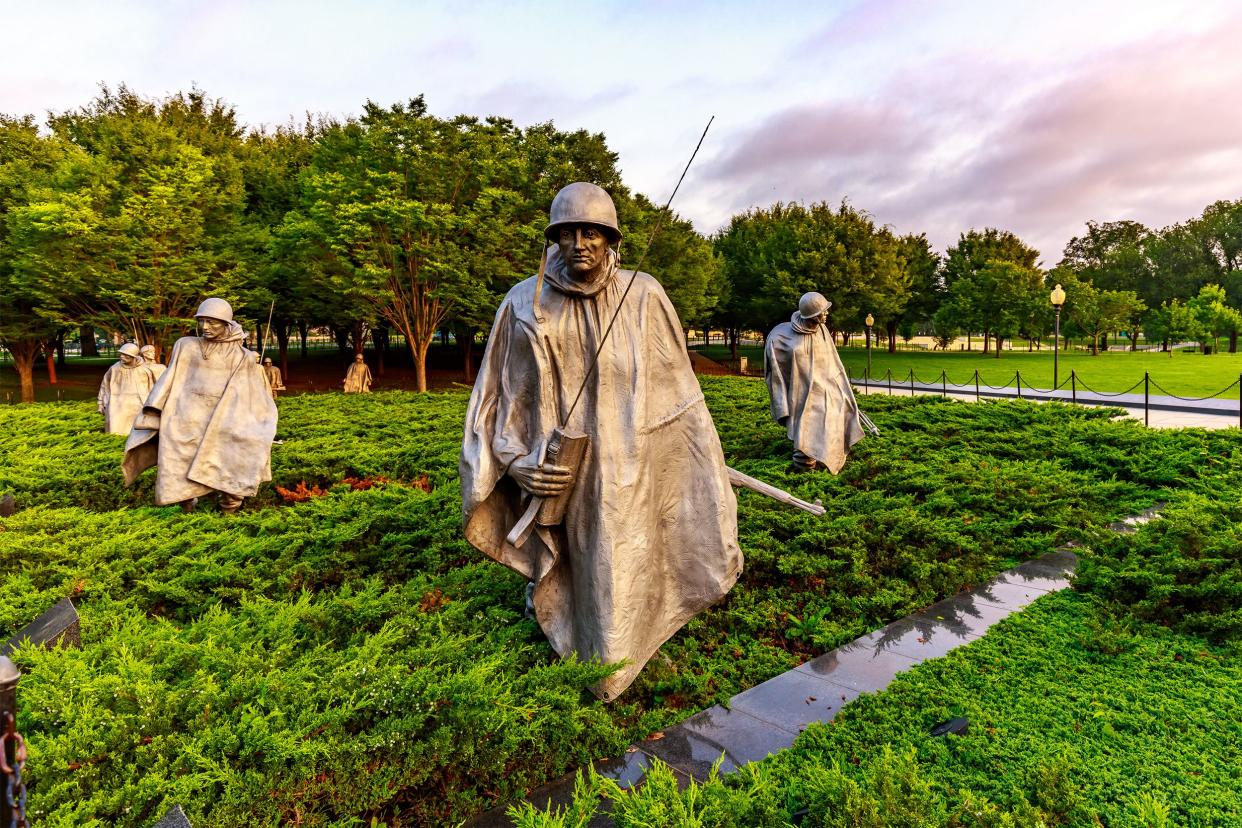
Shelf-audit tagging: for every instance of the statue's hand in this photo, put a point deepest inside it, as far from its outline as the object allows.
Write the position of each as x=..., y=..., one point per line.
x=148, y=419
x=542, y=481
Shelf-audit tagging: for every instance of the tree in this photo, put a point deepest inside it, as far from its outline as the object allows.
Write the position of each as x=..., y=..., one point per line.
x=1111, y=256
x=966, y=259
x=29, y=167
x=1096, y=311
x=1213, y=315
x=1173, y=322
x=922, y=266
x=772, y=256
x=164, y=210
x=998, y=299
x=419, y=213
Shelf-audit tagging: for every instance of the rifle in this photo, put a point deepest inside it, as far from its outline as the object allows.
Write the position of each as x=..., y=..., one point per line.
x=268, y=335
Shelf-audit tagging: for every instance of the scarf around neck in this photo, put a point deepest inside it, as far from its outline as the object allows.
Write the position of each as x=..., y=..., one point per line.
x=557, y=273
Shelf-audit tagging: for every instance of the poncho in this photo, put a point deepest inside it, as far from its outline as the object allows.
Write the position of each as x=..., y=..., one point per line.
x=122, y=392
x=358, y=379
x=650, y=534
x=208, y=423
x=808, y=385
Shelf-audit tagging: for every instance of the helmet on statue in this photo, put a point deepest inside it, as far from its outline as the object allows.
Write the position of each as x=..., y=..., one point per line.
x=129, y=349
x=215, y=309
x=813, y=305
x=583, y=203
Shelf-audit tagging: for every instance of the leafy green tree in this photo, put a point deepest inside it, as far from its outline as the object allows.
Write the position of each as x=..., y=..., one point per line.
x=999, y=299
x=1173, y=322
x=1214, y=315
x=974, y=251
x=772, y=256
x=1111, y=256
x=419, y=213
x=1096, y=311
x=164, y=212
x=922, y=266
x=29, y=168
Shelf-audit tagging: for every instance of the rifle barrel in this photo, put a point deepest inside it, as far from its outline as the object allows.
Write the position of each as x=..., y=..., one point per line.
x=745, y=481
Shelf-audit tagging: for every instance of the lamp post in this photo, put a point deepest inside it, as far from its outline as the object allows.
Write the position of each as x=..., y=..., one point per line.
x=870, y=320
x=1058, y=299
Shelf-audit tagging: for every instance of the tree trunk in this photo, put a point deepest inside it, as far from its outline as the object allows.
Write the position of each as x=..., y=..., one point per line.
x=734, y=335
x=303, y=332
x=282, y=343
x=1233, y=342
x=998, y=340
x=1095, y=345
x=357, y=338
x=466, y=340
x=379, y=340
x=418, y=350
x=24, y=352
x=891, y=328
x=987, y=340
x=89, y=348
x=60, y=349
x=49, y=352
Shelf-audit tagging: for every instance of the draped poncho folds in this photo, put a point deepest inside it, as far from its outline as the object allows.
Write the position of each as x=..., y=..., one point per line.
x=650, y=535
x=808, y=385
x=122, y=392
x=208, y=423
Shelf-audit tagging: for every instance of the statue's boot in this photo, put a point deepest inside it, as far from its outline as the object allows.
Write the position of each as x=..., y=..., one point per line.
x=229, y=504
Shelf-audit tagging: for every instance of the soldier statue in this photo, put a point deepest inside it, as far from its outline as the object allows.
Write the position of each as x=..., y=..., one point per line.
x=209, y=422
x=124, y=388
x=275, y=381
x=648, y=537
x=808, y=388
x=358, y=378
x=148, y=353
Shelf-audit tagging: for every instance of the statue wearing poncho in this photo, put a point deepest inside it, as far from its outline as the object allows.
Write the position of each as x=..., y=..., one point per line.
x=209, y=421
x=124, y=387
x=808, y=388
x=649, y=537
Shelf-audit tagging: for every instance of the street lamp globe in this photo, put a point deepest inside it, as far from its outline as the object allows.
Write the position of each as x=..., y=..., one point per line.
x=1058, y=296
x=870, y=320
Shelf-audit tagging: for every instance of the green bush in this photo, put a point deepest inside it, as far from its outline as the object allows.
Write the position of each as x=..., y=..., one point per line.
x=351, y=657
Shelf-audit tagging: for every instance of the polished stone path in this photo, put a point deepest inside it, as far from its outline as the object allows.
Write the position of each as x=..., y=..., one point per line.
x=768, y=717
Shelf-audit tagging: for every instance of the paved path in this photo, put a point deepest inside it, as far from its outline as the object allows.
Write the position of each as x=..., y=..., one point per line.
x=768, y=717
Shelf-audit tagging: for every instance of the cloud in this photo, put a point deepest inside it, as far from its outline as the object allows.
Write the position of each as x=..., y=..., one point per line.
x=1149, y=131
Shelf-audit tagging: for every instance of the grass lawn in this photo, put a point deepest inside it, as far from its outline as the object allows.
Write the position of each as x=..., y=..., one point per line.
x=1184, y=374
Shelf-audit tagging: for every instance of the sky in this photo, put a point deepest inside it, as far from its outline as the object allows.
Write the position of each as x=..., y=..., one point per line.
x=934, y=117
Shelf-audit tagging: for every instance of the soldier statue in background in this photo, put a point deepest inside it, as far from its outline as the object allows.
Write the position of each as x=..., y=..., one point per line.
x=124, y=388
x=808, y=388
x=358, y=378
x=209, y=421
x=274, y=379
x=148, y=353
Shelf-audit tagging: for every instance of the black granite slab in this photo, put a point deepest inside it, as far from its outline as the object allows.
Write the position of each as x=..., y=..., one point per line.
x=1129, y=525
x=1008, y=594
x=965, y=614
x=58, y=627
x=918, y=637
x=694, y=745
x=857, y=669
x=175, y=818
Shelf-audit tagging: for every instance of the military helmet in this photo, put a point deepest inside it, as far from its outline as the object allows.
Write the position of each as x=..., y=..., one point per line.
x=583, y=203
x=148, y=351
x=812, y=305
x=215, y=309
x=267, y=360
x=129, y=349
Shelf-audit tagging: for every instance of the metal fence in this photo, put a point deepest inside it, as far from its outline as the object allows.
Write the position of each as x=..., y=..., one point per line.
x=1072, y=390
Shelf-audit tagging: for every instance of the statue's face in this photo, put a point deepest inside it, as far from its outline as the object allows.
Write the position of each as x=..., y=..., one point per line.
x=358, y=358
x=127, y=359
x=212, y=328
x=584, y=248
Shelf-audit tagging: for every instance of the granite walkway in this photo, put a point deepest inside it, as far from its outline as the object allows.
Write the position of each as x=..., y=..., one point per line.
x=768, y=717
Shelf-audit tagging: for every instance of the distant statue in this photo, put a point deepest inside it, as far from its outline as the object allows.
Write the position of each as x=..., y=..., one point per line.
x=809, y=390
x=123, y=390
x=618, y=510
x=148, y=353
x=209, y=422
x=358, y=379
x=274, y=379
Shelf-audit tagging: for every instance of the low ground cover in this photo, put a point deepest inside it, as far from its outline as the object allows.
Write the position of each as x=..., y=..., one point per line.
x=1184, y=374
x=350, y=657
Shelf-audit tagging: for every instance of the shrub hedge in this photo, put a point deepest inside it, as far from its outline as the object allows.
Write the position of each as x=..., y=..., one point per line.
x=350, y=657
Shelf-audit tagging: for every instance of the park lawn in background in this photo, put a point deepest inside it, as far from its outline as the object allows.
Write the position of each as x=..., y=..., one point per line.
x=338, y=652
x=1183, y=374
